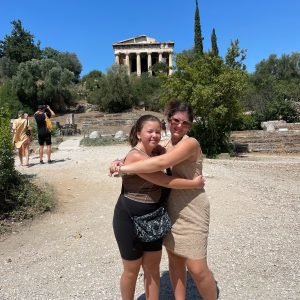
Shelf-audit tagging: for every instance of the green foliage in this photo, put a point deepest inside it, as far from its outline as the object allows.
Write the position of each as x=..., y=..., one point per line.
x=91, y=80
x=19, y=46
x=90, y=84
x=274, y=89
x=9, y=99
x=281, y=110
x=160, y=68
x=8, y=68
x=50, y=53
x=66, y=60
x=115, y=92
x=30, y=200
x=43, y=82
x=198, y=39
x=235, y=56
x=213, y=89
x=287, y=67
x=214, y=45
x=147, y=89
x=249, y=121
x=8, y=176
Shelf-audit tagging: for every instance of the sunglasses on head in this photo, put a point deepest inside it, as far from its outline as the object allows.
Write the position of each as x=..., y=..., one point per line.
x=175, y=121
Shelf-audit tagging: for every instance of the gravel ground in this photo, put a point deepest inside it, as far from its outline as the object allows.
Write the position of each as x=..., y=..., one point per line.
x=71, y=253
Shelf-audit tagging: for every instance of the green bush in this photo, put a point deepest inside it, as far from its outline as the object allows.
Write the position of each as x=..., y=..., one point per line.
x=9, y=99
x=31, y=200
x=8, y=175
x=247, y=122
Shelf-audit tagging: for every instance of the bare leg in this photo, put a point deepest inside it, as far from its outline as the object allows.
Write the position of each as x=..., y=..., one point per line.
x=203, y=278
x=21, y=155
x=151, y=261
x=48, y=152
x=129, y=277
x=26, y=152
x=41, y=152
x=177, y=271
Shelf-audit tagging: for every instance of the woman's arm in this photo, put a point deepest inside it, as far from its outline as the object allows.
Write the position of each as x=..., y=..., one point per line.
x=161, y=179
x=51, y=111
x=183, y=150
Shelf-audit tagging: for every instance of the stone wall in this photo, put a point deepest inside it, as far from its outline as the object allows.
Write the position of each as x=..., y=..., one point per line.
x=266, y=141
x=111, y=123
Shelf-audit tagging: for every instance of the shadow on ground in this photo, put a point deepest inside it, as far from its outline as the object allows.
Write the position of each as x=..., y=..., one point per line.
x=54, y=161
x=166, y=289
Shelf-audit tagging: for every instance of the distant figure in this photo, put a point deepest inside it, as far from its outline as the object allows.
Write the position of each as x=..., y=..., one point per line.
x=44, y=135
x=163, y=127
x=20, y=139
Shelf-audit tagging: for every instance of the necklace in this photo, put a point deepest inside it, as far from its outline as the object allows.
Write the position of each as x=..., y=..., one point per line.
x=139, y=149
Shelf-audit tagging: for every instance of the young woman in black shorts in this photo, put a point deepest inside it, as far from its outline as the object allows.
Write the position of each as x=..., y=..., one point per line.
x=140, y=195
x=44, y=136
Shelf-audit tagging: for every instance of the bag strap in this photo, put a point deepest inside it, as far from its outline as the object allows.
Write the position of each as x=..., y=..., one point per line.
x=165, y=192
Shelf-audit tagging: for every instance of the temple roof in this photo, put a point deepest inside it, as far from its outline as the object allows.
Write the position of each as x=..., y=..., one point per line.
x=140, y=39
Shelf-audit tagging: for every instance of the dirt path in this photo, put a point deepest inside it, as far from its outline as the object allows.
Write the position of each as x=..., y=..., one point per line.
x=71, y=253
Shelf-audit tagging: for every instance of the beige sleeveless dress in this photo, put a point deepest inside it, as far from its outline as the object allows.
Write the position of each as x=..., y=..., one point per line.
x=189, y=213
x=19, y=127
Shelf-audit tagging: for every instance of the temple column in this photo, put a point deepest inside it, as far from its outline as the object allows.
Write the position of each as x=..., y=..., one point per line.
x=149, y=64
x=160, y=57
x=138, y=64
x=170, y=63
x=127, y=63
x=117, y=59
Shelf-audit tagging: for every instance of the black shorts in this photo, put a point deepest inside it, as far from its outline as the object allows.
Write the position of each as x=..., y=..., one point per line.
x=130, y=246
x=44, y=138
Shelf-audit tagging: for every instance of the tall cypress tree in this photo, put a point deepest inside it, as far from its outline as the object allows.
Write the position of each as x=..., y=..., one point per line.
x=198, y=45
x=214, y=46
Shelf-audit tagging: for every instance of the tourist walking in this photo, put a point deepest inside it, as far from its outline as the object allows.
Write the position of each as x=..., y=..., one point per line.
x=186, y=244
x=164, y=127
x=21, y=137
x=44, y=134
x=141, y=195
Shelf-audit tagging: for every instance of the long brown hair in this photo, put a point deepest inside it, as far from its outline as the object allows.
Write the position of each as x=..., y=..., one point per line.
x=138, y=126
x=175, y=106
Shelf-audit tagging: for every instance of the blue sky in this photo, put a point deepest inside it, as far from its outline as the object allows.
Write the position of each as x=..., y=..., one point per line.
x=90, y=27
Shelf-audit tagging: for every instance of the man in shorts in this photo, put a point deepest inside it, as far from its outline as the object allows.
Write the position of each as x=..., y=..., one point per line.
x=44, y=135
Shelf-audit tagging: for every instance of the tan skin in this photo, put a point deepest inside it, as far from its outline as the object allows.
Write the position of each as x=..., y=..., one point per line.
x=181, y=148
x=149, y=138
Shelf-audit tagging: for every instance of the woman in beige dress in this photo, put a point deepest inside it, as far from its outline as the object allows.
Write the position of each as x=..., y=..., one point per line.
x=20, y=139
x=188, y=209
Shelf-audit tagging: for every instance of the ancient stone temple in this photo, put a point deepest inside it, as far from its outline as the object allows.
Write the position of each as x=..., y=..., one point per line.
x=141, y=53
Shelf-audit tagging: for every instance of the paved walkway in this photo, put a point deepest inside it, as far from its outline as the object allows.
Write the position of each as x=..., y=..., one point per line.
x=70, y=144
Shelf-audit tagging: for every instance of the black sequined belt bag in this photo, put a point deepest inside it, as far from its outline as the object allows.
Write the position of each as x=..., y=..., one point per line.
x=152, y=226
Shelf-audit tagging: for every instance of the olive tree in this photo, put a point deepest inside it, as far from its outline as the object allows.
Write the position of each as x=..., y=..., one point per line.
x=213, y=89
x=43, y=81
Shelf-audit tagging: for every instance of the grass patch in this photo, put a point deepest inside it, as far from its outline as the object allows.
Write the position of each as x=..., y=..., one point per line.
x=27, y=200
x=103, y=141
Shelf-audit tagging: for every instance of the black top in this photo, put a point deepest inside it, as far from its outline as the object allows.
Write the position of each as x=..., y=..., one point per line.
x=41, y=123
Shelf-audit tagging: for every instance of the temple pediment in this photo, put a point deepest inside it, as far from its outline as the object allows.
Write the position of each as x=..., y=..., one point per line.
x=140, y=39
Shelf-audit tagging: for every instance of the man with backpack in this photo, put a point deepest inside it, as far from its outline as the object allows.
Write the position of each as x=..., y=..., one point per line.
x=42, y=118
